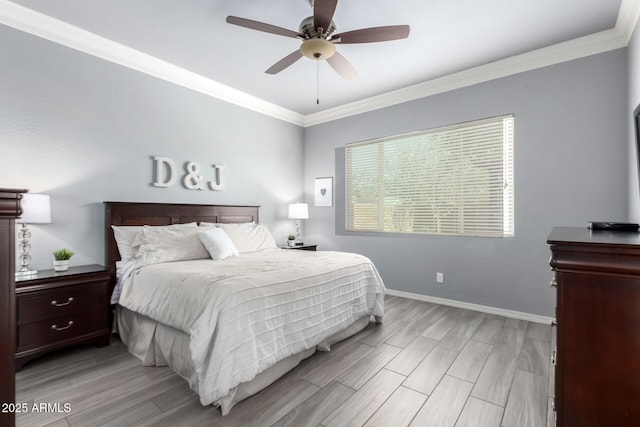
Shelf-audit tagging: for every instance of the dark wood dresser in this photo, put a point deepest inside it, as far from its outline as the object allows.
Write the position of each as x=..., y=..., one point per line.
x=597, y=274
x=59, y=309
x=9, y=211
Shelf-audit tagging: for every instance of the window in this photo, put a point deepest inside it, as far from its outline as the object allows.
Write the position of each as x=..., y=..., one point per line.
x=454, y=180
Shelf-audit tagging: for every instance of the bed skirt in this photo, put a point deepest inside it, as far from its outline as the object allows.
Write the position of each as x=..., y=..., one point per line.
x=156, y=344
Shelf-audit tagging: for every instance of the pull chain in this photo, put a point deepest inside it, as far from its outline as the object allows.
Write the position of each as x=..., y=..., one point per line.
x=317, y=82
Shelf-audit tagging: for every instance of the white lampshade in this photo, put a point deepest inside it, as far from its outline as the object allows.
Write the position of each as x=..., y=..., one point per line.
x=36, y=209
x=298, y=211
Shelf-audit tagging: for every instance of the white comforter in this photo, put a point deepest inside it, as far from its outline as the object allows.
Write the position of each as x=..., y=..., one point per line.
x=247, y=312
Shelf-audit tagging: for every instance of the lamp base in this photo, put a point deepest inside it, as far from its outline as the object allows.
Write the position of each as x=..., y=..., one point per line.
x=27, y=273
x=298, y=232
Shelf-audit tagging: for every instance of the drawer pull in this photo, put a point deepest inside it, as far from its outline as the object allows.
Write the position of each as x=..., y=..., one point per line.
x=62, y=304
x=57, y=328
x=553, y=283
x=554, y=322
x=553, y=357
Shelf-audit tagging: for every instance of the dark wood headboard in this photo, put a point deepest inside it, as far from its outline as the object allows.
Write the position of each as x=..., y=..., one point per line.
x=130, y=213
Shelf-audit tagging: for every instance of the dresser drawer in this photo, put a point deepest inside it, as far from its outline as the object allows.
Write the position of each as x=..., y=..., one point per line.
x=59, y=329
x=64, y=301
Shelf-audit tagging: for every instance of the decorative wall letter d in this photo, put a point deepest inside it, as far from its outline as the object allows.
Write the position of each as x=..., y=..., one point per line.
x=168, y=166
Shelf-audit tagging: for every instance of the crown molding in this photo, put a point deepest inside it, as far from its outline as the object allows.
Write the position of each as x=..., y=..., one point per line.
x=40, y=25
x=46, y=27
x=627, y=19
x=555, y=54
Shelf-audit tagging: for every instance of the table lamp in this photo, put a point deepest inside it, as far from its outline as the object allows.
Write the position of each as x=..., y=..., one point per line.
x=298, y=211
x=36, y=209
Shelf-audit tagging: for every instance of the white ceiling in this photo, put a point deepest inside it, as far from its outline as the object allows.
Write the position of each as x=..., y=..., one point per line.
x=447, y=37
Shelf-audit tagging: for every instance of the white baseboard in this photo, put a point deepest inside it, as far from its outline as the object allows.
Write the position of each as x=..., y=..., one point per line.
x=476, y=307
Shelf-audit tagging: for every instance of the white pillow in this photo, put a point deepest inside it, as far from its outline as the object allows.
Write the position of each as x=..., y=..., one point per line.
x=125, y=235
x=178, y=242
x=217, y=243
x=249, y=237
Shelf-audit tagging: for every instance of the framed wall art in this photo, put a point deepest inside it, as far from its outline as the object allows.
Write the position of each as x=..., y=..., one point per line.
x=323, y=193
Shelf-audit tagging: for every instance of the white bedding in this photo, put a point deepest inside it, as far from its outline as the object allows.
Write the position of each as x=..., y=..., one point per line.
x=246, y=313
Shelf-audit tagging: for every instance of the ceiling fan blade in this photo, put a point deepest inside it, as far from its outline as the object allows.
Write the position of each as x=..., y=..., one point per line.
x=343, y=67
x=261, y=26
x=373, y=34
x=323, y=11
x=284, y=62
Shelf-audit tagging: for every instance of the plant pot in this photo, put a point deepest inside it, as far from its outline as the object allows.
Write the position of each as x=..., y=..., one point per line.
x=291, y=242
x=61, y=265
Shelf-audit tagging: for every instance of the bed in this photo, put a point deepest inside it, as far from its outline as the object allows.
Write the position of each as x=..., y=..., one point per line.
x=231, y=327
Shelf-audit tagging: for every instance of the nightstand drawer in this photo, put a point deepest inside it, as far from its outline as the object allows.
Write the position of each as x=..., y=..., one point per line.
x=59, y=329
x=65, y=301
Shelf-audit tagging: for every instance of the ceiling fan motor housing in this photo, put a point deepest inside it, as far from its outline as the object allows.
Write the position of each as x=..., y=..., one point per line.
x=308, y=28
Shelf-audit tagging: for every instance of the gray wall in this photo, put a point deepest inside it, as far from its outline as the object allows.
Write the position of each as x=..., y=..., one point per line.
x=570, y=167
x=83, y=130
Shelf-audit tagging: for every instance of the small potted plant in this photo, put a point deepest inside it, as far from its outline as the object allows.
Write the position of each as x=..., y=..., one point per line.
x=61, y=262
x=291, y=240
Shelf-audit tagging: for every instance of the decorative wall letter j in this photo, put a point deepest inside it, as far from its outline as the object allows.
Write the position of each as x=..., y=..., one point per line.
x=220, y=173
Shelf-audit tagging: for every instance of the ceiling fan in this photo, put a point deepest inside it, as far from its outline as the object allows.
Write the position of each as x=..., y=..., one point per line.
x=319, y=37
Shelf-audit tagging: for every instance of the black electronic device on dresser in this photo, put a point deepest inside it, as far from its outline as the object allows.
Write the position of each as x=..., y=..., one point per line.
x=59, y=309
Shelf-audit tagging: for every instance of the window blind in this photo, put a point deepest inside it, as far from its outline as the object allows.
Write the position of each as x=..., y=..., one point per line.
x=451, y=180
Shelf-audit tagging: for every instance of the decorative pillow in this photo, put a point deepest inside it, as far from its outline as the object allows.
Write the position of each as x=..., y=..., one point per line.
x=159, y=229
x=217, y=243
x=249, y=237
x=178, y=242
x=125, y=236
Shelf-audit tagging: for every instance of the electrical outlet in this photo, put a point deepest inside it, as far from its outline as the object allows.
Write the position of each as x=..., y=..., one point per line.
x=440, y=277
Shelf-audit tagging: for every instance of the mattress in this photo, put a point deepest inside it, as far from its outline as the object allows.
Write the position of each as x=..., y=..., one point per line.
x=235, y=319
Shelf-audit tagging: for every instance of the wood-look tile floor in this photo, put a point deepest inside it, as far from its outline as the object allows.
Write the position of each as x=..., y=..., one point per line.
x=426, y=365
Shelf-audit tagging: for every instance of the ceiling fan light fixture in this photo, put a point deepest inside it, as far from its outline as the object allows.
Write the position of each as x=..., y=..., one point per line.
x=317, y=49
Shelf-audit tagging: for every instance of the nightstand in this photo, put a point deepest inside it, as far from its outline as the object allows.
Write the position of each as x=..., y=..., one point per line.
x=60, y=309
x=303, y=247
